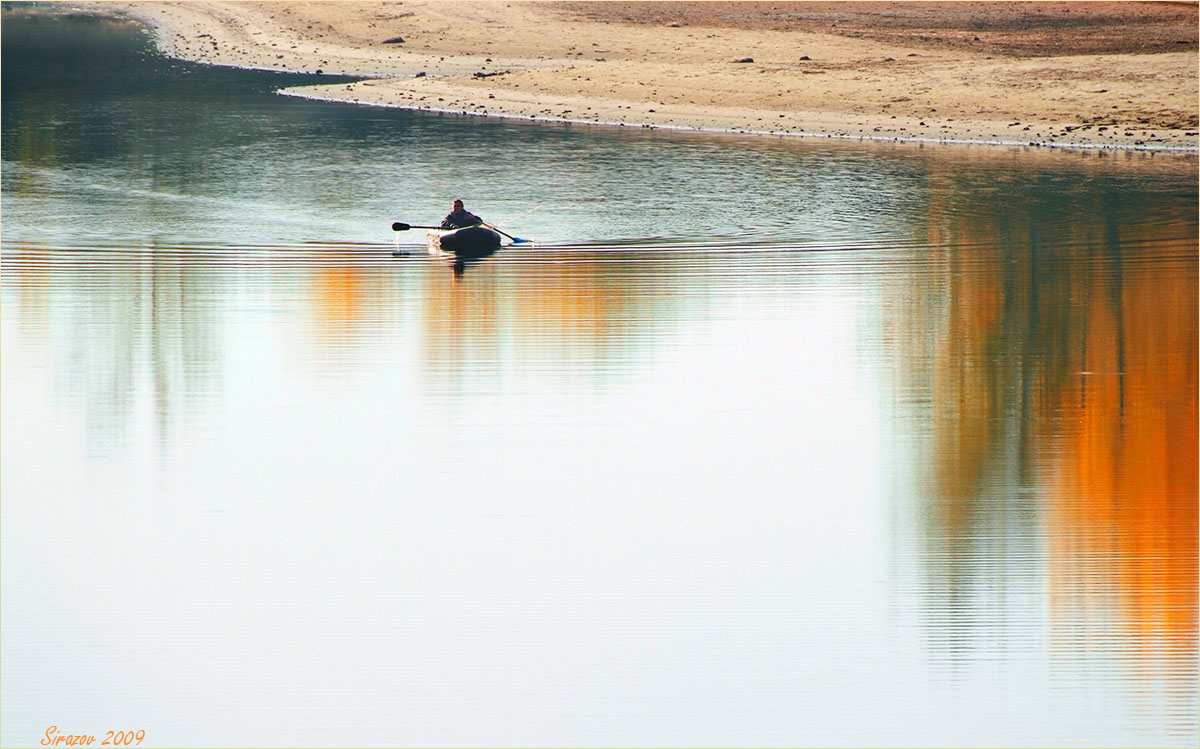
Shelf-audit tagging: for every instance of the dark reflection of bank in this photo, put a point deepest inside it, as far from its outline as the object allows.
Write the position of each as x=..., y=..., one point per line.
x=1047, y=366
x=108, y=96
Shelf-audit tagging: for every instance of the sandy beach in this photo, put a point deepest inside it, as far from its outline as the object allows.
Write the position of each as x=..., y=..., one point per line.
x=1079, y=74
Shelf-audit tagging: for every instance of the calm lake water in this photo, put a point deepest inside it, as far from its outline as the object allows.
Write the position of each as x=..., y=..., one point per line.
x=762, y=442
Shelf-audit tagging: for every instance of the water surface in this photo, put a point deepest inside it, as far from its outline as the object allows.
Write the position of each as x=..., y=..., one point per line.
x=761, y=442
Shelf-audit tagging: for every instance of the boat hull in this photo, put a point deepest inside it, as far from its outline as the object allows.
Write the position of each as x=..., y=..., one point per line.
x=470, y=241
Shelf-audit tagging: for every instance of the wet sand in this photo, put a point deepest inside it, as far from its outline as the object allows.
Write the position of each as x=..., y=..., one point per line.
x=1090, y=74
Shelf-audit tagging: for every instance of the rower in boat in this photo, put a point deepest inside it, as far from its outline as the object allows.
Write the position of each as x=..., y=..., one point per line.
x=461, y=233
x=459, y=217
x=464, y=234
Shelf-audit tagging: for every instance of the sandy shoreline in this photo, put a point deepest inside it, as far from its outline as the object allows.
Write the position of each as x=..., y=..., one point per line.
x=1090, y=75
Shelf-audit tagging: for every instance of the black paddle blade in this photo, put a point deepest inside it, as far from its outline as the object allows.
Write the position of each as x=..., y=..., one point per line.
x=398, y=226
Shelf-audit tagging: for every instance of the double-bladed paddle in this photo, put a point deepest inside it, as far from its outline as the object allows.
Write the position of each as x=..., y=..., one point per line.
x=401, y=226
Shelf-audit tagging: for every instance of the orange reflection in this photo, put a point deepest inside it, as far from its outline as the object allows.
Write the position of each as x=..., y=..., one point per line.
x=529, y=306
x=338, y=296
x=1065, y=354
x=1124, y=490
x=347, y=302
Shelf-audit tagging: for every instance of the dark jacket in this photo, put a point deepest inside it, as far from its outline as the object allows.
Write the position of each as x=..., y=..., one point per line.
x=459, y=219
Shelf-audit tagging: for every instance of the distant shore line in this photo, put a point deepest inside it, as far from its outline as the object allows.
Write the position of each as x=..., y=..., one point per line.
x=299, y=92
x=554, y=92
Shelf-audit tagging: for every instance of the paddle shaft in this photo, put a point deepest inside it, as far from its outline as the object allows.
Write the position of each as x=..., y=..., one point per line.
x=498, y=231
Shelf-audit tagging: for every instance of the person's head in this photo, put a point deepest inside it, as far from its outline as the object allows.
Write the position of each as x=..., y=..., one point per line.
x=458, y=204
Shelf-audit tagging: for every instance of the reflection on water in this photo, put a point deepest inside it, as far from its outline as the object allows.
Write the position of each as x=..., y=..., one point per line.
x=1052, y=384
x=918, y=469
